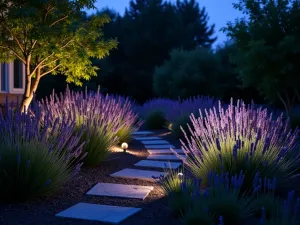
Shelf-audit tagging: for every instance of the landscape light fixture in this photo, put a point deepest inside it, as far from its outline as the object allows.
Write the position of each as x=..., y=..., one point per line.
x=180, y=176
x=124, y=146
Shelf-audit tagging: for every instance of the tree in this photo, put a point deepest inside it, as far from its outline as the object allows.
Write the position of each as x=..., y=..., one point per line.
x=188, y=73
x=147, y=33
x=51, y=37
x=268, y=39
x=195, y=23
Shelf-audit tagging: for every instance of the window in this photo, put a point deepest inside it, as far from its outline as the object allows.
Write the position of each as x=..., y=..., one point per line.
x=18, y=74
x=4, y=76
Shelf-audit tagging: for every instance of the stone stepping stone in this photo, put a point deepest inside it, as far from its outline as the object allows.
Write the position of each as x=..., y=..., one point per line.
x=147, y=138
x=155, y=142
x=159, y=146
x=142, y=133
x=164, y=151
x=102, y=213
x=146, y=175
x=158, y=164
x=120, y=190
x=164, y=157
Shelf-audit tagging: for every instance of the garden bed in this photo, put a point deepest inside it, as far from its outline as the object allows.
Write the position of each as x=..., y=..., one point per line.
x=42, y=211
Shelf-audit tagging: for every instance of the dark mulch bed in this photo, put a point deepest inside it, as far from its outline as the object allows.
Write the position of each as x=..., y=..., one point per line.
x=42, y=211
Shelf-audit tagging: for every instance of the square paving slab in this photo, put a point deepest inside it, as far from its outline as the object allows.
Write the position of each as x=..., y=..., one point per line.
x=158, y=164
x=138, y=174
x=102, y=213
x=155, y=142
x=159, y=146
x=120, y=190
x=142, y=133
x=147, y=138
x=164, y=151
x=164, y=157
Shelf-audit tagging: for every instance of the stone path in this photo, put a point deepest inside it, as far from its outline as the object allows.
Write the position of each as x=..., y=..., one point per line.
x=160, y=156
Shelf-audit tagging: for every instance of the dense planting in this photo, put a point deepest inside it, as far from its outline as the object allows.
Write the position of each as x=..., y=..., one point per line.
x=225, y=202
x=37, y=154
x=241, y=138
x=103, y=117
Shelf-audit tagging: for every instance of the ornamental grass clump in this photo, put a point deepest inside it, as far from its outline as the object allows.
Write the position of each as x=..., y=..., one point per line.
x=240, y=137
x=37, y=154
x=106, y=119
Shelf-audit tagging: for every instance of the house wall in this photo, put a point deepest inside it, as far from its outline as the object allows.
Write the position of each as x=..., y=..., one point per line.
x=11, y=93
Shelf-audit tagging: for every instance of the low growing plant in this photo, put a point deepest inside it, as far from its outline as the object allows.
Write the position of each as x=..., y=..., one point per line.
x=155, y=120
x=34, y=160
x=179, y=124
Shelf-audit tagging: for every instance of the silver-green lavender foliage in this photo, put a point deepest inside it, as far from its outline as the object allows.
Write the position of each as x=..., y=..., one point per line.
x=107, y=119
x=37, y=154
x=240, y=137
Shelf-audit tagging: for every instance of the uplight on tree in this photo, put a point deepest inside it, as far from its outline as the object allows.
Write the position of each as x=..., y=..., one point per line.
x=52, y=37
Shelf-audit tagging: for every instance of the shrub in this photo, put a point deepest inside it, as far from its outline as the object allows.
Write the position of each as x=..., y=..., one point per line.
x=155, y=120
x=104, y=118
x=129, y=119
x=34, y=160
x=198, y=206
x=241, y=138
x=179, y=124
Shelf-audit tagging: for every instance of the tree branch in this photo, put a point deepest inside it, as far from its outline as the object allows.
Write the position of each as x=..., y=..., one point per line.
x=17, y=41
x=50, y=71
x=49, y=63
x=61, y=19
x=16, y=54
x=40, y=63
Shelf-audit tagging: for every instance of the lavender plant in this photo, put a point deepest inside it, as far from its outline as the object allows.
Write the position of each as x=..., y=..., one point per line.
x=104, y=118
x=239, y=138
x=289, y=213
x=264, y=196
x=204, y=206
x=33, y=159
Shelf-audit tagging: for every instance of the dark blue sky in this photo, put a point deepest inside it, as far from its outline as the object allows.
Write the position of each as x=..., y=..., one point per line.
x=219, y=11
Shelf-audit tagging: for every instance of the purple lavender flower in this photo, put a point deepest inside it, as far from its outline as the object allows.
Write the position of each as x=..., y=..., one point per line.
x=250, y=138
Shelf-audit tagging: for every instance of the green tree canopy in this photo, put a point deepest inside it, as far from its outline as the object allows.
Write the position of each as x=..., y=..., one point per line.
x=188, y=73
x=52, y=37
x=147, y=33
x=268, y=39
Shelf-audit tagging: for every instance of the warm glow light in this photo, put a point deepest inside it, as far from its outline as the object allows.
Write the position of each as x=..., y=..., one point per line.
x=124, y=146
x=180, y=176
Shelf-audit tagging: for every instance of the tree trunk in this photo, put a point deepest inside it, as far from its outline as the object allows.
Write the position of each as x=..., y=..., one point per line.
x=30, y=87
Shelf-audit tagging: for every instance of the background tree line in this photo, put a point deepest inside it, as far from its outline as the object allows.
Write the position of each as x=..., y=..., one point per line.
x=165, y=50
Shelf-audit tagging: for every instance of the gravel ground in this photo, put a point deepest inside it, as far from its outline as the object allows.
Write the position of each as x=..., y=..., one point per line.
x=42, y=211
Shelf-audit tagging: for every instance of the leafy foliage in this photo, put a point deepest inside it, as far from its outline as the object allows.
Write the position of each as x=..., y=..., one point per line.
x=52, y=37
x=147, y=32
x=155, y=120
x=37, y=154
x=187, y=73
x=178, y=124
x=268, y=41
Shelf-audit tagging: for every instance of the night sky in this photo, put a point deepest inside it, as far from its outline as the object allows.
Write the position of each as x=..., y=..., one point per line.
x=219, y=12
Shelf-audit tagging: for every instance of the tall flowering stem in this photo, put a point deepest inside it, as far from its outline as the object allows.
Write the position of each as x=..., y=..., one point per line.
x=38, y=154
x=241, y=137
x=103, y=116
